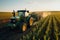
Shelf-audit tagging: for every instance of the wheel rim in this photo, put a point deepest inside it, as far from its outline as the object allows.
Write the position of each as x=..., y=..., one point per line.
x=24, y=27
x=31, y=21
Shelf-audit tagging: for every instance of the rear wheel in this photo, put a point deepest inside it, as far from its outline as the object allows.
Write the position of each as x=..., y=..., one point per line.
x=31, y=21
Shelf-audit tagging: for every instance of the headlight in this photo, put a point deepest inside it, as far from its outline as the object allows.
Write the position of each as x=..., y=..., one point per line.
x=14, y=25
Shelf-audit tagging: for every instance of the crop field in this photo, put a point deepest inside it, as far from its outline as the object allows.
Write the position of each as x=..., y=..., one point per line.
x=5, y=17
x=46, y=29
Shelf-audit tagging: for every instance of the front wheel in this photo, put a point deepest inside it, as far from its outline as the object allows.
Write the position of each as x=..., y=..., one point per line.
x=24, y=27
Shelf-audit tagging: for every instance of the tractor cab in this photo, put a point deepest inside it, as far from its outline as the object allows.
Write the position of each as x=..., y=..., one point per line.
x=23, y=13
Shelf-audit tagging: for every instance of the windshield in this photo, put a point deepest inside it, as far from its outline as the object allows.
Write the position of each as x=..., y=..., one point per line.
x=20, y=14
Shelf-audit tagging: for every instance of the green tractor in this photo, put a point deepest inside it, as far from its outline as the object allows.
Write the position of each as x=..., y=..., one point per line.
x=22, y=22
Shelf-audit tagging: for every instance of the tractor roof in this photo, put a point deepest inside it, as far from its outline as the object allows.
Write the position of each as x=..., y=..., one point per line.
x=23, y=11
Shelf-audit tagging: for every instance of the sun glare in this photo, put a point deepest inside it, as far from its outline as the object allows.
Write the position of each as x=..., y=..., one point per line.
x=45, y=14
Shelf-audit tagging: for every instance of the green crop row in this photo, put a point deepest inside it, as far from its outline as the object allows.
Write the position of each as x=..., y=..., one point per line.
x=55, y=28
x=48, y=30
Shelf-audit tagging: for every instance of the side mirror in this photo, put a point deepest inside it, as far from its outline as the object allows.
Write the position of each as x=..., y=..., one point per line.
x=27, y=11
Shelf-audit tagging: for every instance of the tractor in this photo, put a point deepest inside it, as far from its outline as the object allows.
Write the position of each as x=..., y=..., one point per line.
x=22, y=22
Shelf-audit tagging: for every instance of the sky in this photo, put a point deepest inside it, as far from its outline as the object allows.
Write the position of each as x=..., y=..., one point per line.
x=32, y=5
